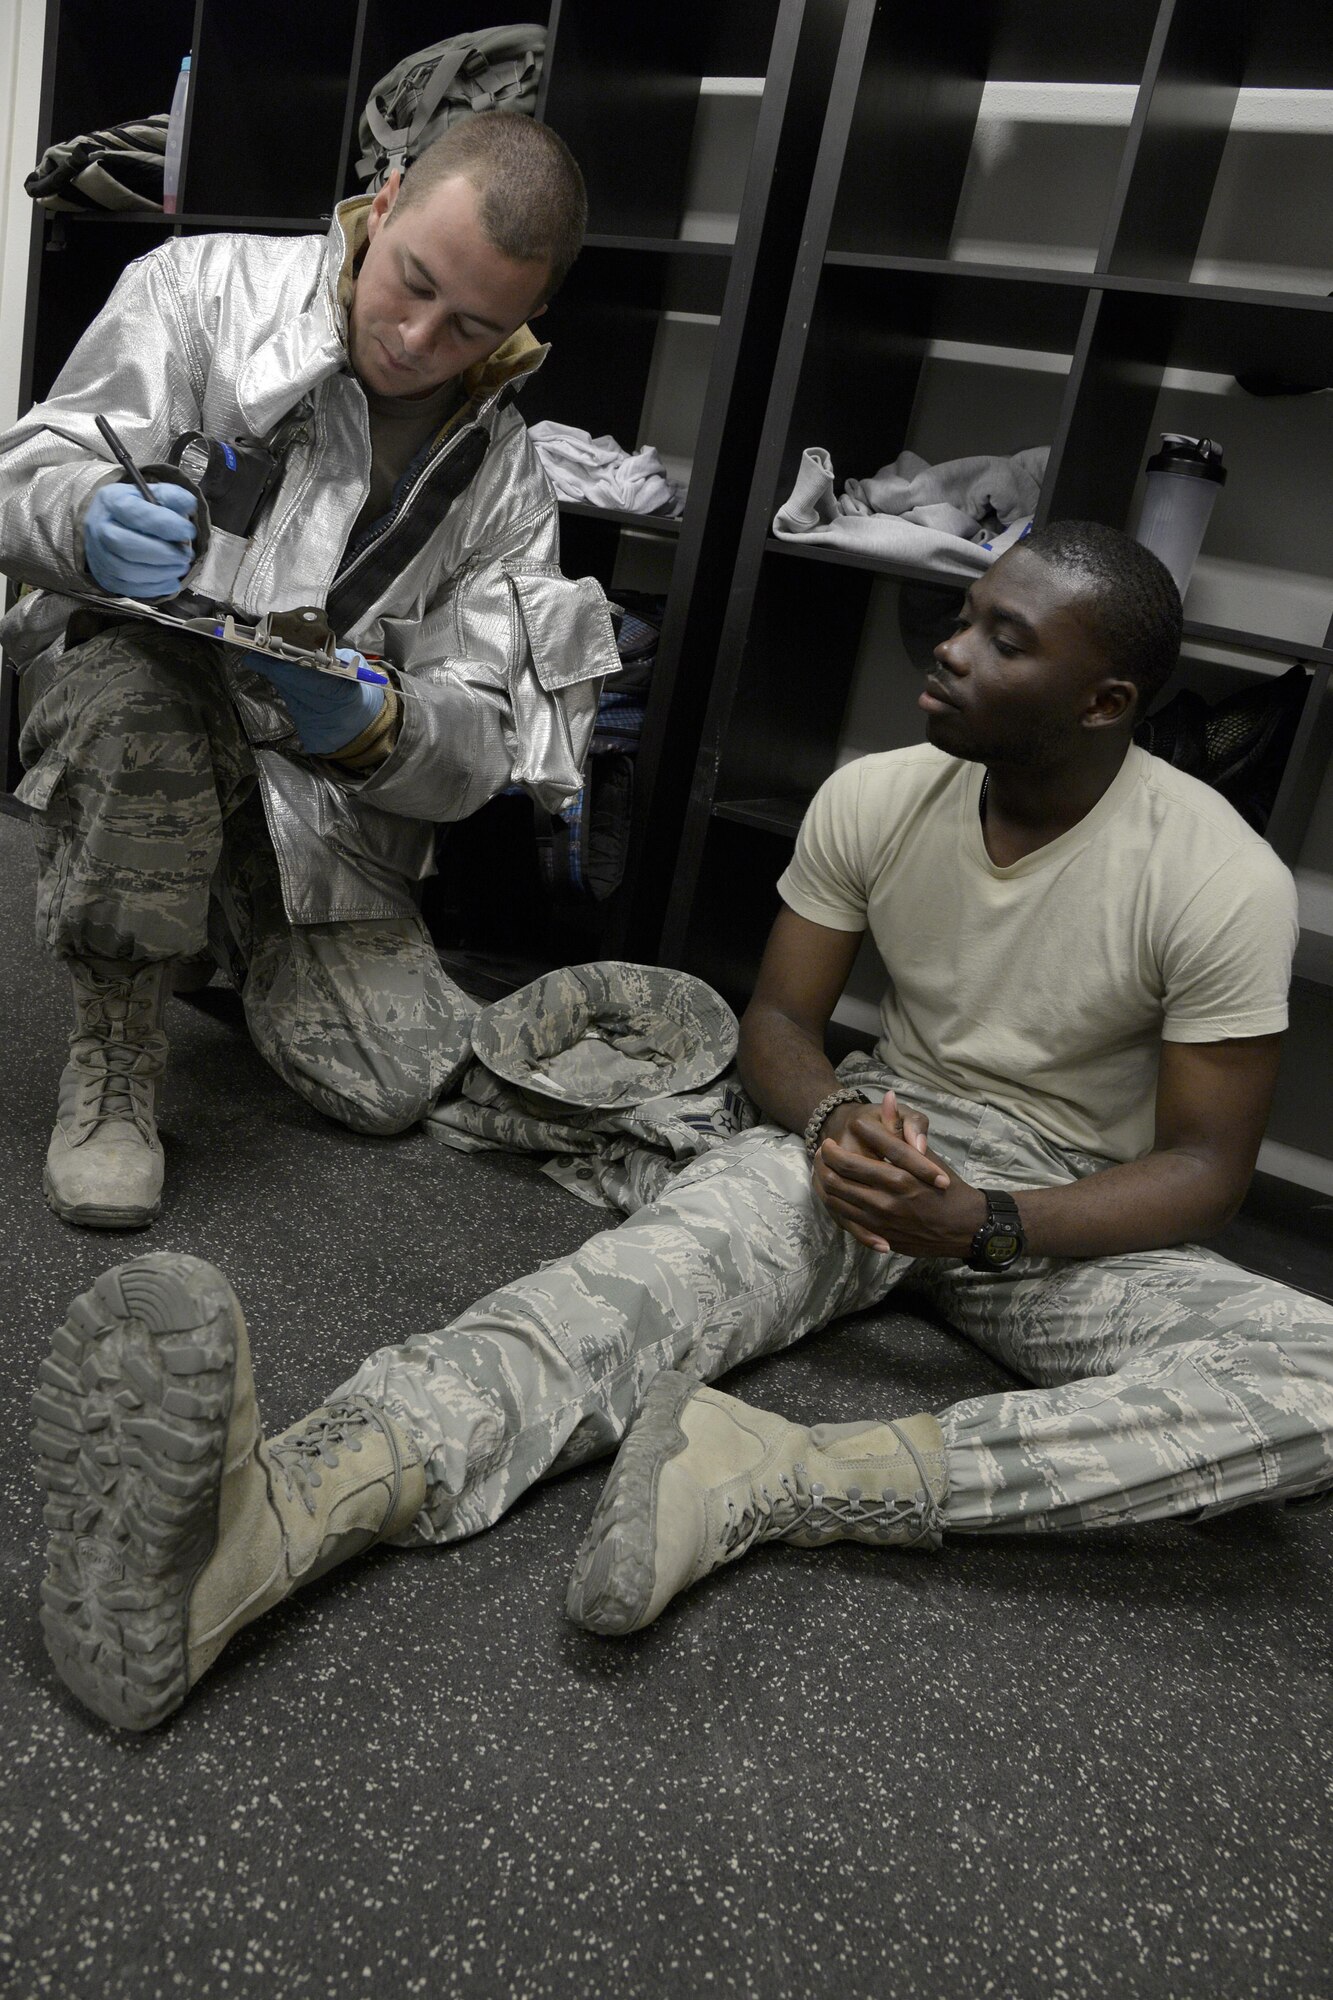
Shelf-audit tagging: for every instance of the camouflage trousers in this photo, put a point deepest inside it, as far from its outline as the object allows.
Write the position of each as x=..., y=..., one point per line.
x=1167, y=1383
x=152, y=844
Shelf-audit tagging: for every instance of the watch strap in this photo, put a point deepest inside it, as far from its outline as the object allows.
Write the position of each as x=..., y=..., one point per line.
x=1001, y=1207
x=1001, y=1214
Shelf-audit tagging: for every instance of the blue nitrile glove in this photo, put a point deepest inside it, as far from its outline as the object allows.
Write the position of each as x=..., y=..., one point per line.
x=329, y=712
x=134, y=550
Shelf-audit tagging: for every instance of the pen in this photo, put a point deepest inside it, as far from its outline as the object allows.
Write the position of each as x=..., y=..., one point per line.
x=361, y=673
x=125, y=459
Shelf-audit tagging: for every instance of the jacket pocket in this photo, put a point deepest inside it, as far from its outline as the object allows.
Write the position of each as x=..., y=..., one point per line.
x=41, y=788
x=568, y=626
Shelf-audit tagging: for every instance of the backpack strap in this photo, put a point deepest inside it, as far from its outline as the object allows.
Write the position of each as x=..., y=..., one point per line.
x=438, y=85
x=423, y=93
x=393, y=140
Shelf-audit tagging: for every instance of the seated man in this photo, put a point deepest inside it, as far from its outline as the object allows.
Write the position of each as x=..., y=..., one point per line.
x=1088, y=955
x=186, y=795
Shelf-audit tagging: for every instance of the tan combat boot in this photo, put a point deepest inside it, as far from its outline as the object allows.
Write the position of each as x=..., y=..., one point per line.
x=702, y=1478
x=172, y=1523
x=104, y=1162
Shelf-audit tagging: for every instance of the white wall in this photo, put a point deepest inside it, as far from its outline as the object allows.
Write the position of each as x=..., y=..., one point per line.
x=22, y=30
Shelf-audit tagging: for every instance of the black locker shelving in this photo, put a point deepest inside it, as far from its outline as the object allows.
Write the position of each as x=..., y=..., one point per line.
x=1105, y=305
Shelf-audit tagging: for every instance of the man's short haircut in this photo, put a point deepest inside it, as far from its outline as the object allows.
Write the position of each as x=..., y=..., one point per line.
x=530, y=194
x=1135, y=603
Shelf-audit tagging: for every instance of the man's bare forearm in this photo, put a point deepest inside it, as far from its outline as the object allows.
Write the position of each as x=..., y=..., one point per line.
x=1148, y=1204
x=783, y=1066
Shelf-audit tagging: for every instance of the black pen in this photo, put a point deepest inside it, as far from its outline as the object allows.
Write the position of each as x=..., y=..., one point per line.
x=128, y=463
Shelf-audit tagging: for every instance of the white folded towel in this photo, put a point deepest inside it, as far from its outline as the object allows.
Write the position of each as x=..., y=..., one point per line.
x=597, y=470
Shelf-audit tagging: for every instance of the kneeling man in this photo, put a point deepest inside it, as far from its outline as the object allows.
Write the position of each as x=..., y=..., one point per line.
x=1088, y=957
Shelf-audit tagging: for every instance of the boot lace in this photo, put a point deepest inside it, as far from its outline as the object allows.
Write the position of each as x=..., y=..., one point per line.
x=120, y=1091
x=319, y=1442
x=805, y=1506
x=117, y=1051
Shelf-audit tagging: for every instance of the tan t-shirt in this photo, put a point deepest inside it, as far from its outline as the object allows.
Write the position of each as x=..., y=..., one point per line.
x=400, y=427
x=1046, y=988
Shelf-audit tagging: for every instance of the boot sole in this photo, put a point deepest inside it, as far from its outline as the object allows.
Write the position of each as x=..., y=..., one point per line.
x=86, y=1216
x=615, y=1571
x=132, y=1407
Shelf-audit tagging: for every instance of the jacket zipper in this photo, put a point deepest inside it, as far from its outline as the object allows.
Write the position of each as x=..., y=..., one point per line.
x=404, y=504
x=410, y=529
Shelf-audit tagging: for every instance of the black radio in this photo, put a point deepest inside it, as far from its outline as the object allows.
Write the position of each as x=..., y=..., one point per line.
x=235, y=478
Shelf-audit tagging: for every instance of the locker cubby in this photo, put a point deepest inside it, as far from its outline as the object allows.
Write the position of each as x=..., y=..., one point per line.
x=920, y=154
x=719, y=162
x=1167, y=361
x=623, y=91
x=604, y=326
x=866, y=385
x=241, y=87
x=738, y=901
x=102, y=75
x=1265, y=568
x=1247, y=239
x=1194, y=124
x=790, y=694
x=1038, y=187
x=1217, y=673
x=80, y=261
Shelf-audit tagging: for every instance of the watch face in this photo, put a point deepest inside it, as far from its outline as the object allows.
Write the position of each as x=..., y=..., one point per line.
x=1001, y=1248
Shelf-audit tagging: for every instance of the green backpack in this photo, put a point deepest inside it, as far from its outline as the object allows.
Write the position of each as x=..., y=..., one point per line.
x=487, y=70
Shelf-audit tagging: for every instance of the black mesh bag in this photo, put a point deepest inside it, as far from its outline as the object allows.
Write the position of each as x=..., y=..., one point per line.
x=1239, y=745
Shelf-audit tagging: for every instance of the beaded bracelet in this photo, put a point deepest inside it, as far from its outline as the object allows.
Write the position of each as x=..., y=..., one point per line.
x=814, y=1124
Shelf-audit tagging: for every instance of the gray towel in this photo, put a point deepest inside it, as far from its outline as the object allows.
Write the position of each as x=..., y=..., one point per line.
x=955, y=517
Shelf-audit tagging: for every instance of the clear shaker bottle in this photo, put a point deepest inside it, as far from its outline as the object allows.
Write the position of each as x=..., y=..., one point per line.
x=171, y=166
x=1183, y=480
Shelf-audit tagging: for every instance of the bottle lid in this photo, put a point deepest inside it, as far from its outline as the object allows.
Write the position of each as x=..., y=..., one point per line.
x=1199, y=458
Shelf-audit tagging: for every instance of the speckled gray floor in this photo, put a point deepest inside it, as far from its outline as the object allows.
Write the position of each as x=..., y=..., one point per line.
x=1052, y=1770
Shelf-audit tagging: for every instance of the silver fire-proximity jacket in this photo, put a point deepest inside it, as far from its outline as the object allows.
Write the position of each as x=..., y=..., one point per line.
x=498, y=656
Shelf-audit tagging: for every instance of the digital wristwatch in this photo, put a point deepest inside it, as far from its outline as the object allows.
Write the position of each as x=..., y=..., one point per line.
x=1000, y=1239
